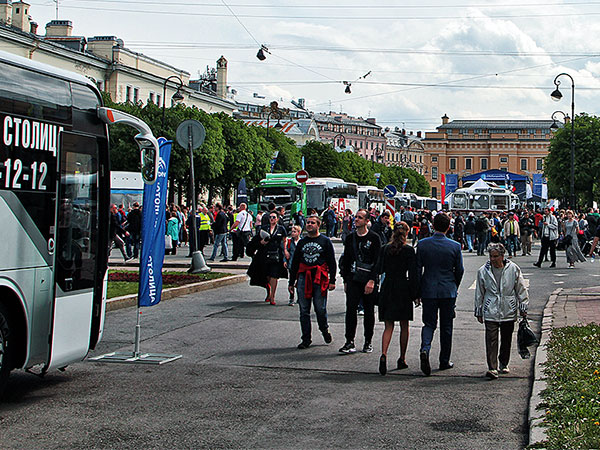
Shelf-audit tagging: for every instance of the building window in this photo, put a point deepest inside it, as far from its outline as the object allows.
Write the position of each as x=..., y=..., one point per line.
x=449, y=132
x=136, y=95
x=468, y=163
x=158, y=99
x=539, y=164
x=434, y=173
x=484, y=164
x=504, y=160
x=452, y=163
x=504, y=169
x=523, y=164
x=434, y=192
x=434, y=159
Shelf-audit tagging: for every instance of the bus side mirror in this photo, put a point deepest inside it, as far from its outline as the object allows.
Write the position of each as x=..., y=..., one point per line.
x=149, y=156
x=146, y=141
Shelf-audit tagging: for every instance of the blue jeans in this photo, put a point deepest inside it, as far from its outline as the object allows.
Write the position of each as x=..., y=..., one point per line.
x=220, y=239
x=470, y=238
x=481, y=242
x=319, y=301
x=511, y=244
x=431, y=306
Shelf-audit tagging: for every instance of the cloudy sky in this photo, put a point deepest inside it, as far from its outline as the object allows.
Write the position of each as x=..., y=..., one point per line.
x=469, y=59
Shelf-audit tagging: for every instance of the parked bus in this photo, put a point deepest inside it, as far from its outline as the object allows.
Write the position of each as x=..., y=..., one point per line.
x=482, y=197
x=126, y=188
x=322, y=192
x=405, y=199
x=54, y=204
x=283, y=190
x=371, y=197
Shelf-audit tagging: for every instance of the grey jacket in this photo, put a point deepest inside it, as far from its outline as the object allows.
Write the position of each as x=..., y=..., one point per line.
x=550, y=223
x=500, y=303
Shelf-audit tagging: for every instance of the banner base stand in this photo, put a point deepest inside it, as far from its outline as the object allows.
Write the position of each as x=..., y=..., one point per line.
x=132, y=358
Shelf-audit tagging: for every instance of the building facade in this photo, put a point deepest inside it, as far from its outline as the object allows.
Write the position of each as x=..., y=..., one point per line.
x=465, y=147
x=363, y=135
x=125, y=74
x=404, y=150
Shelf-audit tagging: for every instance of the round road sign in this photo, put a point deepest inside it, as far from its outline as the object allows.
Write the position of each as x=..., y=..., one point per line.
x=390, y=190
x=190, y=132
x=301, y=176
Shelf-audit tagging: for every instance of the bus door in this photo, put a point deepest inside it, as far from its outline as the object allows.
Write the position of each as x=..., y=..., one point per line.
x=78, y=231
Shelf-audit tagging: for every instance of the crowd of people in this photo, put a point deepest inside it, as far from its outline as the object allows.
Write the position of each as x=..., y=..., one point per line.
x=395, y=262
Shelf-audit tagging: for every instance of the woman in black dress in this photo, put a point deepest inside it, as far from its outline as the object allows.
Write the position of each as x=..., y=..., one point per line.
x=266, y=250
x=399, y=289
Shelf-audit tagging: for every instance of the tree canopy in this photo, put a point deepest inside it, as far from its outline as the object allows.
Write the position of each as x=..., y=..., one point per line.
x=232, y=151
x=557, y=166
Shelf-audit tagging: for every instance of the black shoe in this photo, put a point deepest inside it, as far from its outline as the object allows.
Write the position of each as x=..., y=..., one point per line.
x=425, y=367
x=538, y=265
x=224, y=260
x=446, y=366
x=327, y=337
x=367, y=348
x=552, y=265
x=348, y=348
x=402, y=364
x=234, y=259
x=303, y=345
x=382, y=365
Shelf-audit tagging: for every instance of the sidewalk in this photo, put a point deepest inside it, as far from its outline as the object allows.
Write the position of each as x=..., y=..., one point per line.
x=565, y=307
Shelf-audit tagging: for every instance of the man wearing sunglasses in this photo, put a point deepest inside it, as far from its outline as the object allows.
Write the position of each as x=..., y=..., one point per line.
x=358, y=268
x=312, y=272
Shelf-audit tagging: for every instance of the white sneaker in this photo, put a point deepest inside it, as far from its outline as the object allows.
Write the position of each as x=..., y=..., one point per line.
x=504, y=369
x=492, y=374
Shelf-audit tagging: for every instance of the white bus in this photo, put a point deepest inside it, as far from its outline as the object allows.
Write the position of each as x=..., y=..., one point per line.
x=126, y=188
x=54, y=204
x=482, y=197
x=405, y=199
x=371, y=197
x=323, y=192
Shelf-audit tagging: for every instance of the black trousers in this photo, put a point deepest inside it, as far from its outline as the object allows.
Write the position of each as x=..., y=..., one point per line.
x=547, y=244
x=355, y=292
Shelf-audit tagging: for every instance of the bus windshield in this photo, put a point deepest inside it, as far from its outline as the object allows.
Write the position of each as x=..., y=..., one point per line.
x=278, y=195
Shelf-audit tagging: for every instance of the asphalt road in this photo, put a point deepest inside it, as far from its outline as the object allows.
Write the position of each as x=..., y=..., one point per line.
x=243, y=384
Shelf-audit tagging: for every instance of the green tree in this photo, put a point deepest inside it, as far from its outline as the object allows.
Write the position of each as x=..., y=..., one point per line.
x=321, y=160
x=557, y=166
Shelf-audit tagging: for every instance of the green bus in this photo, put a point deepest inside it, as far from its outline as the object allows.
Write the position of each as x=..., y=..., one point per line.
x=282, y=189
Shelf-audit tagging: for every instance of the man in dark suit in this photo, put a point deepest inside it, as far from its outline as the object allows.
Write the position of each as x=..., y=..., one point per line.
x=439, y=270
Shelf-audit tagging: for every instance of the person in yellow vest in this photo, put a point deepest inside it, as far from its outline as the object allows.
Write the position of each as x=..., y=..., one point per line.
x=203, y=227
x=512, y=234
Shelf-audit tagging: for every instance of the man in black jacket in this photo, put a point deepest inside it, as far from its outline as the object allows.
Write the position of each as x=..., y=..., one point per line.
x=220, y=230
x=358, y=269
x=116, y=232
x=382, y=227
x=134, y=219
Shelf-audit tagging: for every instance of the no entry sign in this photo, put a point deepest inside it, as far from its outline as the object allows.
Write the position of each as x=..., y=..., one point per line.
x=301, y=176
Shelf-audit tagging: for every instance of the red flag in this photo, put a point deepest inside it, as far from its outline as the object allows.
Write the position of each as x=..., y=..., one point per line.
x=443, y=190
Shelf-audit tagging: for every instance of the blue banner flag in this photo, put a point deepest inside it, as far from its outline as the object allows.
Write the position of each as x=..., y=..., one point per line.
x=538, y=181
x=451, y=183
x=153, y=231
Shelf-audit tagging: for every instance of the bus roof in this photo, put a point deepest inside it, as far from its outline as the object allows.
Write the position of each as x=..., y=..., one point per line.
x=45, y=69
x=126, y=180
x=325, y=180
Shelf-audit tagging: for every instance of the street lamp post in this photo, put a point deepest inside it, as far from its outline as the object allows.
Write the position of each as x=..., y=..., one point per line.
x=177, y=96
x=556, y=96
x=274, y=109
x=343, y=140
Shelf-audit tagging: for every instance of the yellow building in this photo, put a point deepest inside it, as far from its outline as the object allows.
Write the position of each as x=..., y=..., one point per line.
x=465, y=147
x=125, y=74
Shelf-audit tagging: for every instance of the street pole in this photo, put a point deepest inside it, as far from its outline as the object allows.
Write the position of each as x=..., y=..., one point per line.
x=556, y=96
x=192, y=189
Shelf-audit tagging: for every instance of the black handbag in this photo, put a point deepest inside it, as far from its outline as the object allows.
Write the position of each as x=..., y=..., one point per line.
x=525, y=338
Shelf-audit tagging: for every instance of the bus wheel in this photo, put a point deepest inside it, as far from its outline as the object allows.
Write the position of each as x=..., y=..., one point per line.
x=5, y=354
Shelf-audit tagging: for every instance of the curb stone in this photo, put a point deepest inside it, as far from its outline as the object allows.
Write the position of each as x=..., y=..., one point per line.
x=537, y=430
x=131, y=300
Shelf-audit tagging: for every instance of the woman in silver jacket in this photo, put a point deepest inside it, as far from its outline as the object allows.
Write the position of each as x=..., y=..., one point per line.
x=570, y=229
x=500, y=293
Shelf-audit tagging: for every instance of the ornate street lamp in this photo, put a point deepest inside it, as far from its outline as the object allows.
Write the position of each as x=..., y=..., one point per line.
x=556, y=96
x=342, y=145
x=274, y=110
x=176, y=98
